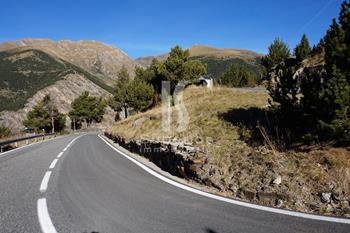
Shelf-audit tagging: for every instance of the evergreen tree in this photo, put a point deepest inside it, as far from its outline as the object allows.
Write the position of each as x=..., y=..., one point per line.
x=311, y=86
x=152, y=75
x=178, y=67
x=123, y=76
x=282, y=84
x=336, y=93
x=278, y=52
x=86, y=108
x=123, y=80
x=237, y=76
x=136, y=94
x=43, y=115
x=303, y=49
x=139, y=94
x=285, y=90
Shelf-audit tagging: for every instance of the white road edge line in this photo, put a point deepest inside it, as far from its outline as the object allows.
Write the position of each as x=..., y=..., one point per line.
x=44, y=217
x=26, y=146
x=59, y=155
x=53, y=164
x=228, y=200
x=45, y=181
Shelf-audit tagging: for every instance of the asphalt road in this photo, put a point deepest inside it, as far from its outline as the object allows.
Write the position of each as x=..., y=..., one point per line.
x=92, y=188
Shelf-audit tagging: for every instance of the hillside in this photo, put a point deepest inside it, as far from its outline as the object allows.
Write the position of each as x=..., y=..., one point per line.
x=217, y=60
x=62, y=93
x=101, y=60
x=218, y=149
x=205, y=51
x=147, y=61
x=25, y=71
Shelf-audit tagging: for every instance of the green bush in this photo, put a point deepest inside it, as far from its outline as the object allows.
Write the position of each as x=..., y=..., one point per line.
x=4, y=132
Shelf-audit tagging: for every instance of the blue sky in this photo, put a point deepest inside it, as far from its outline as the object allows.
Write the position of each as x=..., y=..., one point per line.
x=152, y=27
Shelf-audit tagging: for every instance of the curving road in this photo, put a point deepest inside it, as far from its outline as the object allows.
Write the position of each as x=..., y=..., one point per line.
x=73, y=184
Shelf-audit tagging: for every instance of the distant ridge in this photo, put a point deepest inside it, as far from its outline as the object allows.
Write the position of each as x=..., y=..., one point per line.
x=99, y=59
x=217, y=59
x=33, y=68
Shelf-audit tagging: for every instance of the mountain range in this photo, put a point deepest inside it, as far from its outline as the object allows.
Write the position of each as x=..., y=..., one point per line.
x=33, y=68
x=217, y=59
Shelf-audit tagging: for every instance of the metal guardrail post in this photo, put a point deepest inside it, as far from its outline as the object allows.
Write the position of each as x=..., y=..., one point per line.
x=27, y=138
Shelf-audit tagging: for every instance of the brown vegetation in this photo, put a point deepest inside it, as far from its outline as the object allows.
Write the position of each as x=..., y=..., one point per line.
x=257, y=172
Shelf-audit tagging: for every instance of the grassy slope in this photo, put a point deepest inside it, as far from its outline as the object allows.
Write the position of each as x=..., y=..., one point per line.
x=24, y=72
x=239, y=167
x=205, y=108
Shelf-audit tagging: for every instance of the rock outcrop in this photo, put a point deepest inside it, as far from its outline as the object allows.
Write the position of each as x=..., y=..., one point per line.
x=97, y=58
x=62, y=93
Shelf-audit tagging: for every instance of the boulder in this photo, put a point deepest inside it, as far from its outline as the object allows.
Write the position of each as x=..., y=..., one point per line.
x=326, y=197
x=277, y=180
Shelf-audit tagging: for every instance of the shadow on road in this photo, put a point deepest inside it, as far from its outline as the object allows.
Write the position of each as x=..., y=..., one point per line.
x=208, y=230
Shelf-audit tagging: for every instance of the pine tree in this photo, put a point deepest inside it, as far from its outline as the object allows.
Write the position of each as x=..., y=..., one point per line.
x=152, y=75
x=278, y=52
x=178, y=67
x=303, y=49
x=285, y=90
x=237, y=76
x=43, y=115
x=282, y=85
x=136, y=94
x=87, y=108
x=123, y=76
x=119, y=91
x=139, y=94
x=336, y=93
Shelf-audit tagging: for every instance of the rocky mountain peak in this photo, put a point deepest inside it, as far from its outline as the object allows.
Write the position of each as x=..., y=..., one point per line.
x=98, y=58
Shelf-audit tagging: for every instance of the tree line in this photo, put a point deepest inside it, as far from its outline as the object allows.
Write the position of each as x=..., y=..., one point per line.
x=45, y=117
x=136, y=94
x=312, y=103
x=145, y=89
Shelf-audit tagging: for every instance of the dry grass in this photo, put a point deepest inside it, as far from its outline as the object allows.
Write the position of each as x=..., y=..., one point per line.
x=201, y=50
x=238, y=166
x=204, y=107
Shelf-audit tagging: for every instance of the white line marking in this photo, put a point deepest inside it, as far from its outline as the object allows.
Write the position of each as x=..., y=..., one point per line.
x=44, y=217
x=228, y=200
x=43, y=213
x=53, y=164
x=69, y=144
x=45, y=181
